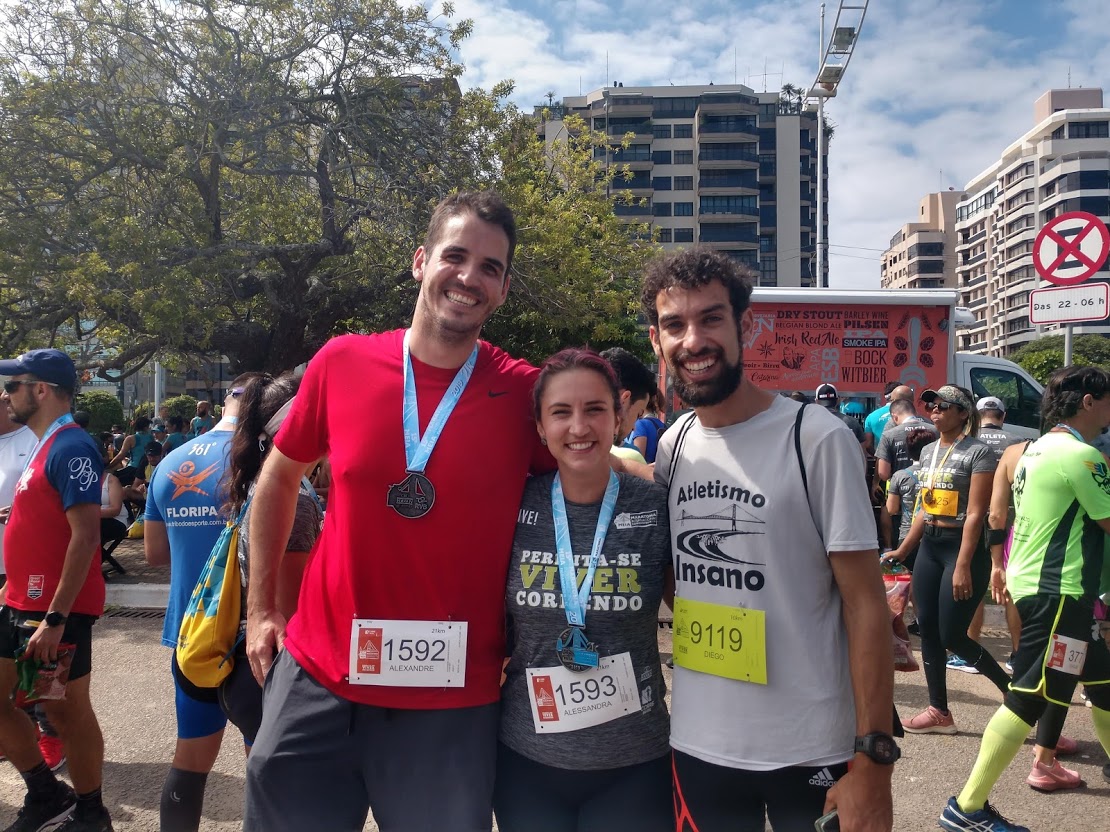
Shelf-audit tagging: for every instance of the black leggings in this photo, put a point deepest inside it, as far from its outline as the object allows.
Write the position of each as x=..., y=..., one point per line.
x=531, y=797
x=942, y=619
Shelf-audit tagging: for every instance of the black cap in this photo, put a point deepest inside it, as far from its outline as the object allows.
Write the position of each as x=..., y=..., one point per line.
x=826, y=395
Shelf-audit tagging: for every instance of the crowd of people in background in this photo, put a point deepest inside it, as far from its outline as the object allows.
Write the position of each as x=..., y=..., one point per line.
x=419, y=491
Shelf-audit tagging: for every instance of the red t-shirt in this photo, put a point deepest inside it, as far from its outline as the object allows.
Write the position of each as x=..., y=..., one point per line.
x=371, y=562
x=65, y=472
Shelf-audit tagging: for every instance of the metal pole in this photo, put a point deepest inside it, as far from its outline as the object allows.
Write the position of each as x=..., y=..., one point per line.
x=1067, y=345
x=821, y=165
x=158, y=392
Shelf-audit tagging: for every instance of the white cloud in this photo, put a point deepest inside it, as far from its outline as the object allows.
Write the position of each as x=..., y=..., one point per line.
x=933, y=87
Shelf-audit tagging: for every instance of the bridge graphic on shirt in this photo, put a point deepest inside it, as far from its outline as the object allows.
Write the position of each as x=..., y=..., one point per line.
x=733, y=513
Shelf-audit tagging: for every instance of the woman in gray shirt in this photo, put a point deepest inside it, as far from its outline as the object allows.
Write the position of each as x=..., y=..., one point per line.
x=584, y=728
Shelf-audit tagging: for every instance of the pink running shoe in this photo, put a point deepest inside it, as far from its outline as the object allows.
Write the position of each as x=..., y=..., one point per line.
x=930, y=721
x=1066, y=746
x=1045, y=779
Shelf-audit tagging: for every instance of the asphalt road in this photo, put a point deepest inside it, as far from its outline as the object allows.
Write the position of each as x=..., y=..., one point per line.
x=133, y=696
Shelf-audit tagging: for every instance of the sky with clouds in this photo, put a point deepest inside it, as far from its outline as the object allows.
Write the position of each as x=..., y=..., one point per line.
x=936, y=88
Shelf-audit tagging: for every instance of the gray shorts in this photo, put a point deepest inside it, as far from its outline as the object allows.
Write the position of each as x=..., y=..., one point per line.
x=321, y=762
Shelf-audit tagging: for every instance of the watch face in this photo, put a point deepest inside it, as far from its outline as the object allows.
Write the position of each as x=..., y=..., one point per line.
x=883, y=747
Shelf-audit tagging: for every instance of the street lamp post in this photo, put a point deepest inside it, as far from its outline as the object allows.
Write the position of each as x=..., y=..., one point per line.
x=834, y=59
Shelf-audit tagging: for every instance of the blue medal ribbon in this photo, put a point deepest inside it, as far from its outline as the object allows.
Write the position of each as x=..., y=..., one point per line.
x=1072, y=431
x=575, y=598
x=55, y=426
x=417, y=449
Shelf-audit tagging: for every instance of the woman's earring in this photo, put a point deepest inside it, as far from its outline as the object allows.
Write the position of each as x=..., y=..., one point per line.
x=543, y=440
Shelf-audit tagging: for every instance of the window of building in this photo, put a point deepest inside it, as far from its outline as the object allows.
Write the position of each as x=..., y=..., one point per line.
x=684, y=209
x=729, y=232
x=634, y=179
x=661, y=183
x=768, y=216
x=684, y=157
x=661, y=131
x=665, y=235
x=729, y=152
x=661, y=157
x=728, y=124
x=684, y=235
x=674, y=108
x=729, y=179
x=729, y=205
x=684, y=131
x=637, y=208
x=1058, y=133
x=767, y=164
x=661, y=209
x=632, y=153
x=768, y=270
x=1088, y=129
x=766, y=242
x=684, y=183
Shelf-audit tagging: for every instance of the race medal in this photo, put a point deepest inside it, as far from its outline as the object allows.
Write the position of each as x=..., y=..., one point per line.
x=575, y=652
x=563, y=701
x=415, y=495
x=412, y=497
x=941, y=503
x=721, y=640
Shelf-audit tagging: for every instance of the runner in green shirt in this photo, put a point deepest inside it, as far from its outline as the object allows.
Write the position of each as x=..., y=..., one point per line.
x=1062, y=504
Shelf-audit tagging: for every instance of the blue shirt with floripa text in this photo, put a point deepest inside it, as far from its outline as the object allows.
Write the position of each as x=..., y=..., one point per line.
x=185, y=495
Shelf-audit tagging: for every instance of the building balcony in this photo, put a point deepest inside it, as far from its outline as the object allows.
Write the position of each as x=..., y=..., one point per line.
x=640, y=130
x=977, y=346
x=716, y=133
x=970, y=241
x=727, y=185
x=978, y=281
x=730, y=245
x=974, y=259
x=739, y=215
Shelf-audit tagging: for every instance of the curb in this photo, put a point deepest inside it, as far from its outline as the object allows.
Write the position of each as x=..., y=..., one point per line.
x=139, y=596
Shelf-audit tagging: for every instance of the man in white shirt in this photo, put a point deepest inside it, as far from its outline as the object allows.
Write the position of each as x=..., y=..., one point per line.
x=16, y=443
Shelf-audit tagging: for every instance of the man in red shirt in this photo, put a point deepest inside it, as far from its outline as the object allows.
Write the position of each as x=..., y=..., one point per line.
x=386, y=693
x=55, y=592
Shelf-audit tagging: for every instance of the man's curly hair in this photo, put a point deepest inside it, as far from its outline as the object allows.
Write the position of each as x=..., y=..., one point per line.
x=693, y=268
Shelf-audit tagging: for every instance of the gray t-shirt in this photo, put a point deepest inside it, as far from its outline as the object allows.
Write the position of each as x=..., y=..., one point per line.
x=905, y=483
x=892, y=445
x=997, y=439
x=969, y=456
x=621, y=616
x=306, y=527
x=745, y=536
x=853, y=424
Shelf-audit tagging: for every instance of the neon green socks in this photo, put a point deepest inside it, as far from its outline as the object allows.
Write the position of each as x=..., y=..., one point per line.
x=1101, y=719
x=1002, y=739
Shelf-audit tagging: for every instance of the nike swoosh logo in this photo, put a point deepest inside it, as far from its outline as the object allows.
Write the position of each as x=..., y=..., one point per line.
x=493, y=394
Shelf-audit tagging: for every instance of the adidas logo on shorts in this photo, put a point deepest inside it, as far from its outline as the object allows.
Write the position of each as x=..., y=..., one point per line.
x=822, y=778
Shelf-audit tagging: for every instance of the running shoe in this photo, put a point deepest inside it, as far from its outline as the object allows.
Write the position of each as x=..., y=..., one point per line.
x=101, y=823
x=1009, y=664
x=956, y=663
x=1050, y=778
x=914, y=629
x=1066, y=746
x=37, y=815
x=53, y=752
x=930, y=721
x=986, y=819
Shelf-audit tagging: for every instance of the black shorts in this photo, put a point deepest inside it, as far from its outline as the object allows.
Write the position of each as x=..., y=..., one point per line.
x=17, y=626
x=713, y=798
x=1045, y=616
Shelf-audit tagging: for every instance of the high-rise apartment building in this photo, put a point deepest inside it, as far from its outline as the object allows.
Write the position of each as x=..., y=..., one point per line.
x=921, y=253
x=1061, y=165
x=721, y=166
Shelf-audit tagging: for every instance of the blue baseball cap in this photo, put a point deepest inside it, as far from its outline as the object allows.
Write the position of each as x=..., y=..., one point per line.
x=52, y=366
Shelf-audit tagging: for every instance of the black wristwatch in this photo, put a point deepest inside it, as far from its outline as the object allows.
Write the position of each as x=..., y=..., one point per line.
x=879, y=747
x=55, y=619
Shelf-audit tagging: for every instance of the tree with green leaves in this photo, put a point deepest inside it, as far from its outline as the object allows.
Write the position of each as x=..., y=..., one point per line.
x=103, y=408
x=1042, y=357
x=211, y=178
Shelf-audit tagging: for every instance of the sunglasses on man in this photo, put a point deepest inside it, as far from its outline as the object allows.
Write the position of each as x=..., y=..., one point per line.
x=13, y=385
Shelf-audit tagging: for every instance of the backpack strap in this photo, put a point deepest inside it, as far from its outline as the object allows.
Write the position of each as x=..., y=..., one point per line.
x=798, y=448
x=676, y=453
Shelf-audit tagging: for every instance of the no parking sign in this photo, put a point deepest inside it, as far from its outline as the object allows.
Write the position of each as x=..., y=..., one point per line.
x=1071, y=248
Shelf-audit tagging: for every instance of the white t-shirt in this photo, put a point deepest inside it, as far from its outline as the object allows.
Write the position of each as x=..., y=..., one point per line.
x=106, y=500
x=15, y=448
x=737, y=503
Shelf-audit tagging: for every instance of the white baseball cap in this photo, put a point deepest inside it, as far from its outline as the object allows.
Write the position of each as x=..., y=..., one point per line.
x=990, y=403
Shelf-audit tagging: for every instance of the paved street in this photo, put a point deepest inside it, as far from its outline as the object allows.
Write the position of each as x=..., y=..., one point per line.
x=133, y=697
